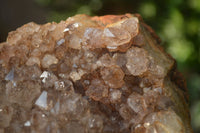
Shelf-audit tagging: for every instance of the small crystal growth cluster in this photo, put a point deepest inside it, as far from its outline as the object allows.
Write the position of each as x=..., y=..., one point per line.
x=90, y=75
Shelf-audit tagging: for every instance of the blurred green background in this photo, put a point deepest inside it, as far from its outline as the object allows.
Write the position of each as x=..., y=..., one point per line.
x=177, y=22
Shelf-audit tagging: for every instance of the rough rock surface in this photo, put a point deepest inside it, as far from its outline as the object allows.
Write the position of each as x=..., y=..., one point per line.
x=90, y=75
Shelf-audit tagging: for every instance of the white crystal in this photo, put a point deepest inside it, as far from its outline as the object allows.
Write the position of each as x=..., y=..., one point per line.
x=77, y=75
x=10, y=75
x=66, y=29
x=108, y=33
x=158, y=90
x=111, y=47
x=71, y=104
x=75, y=66
x=75, y=42
x=27, y=123
x=146, y=124
x=136, y=103
x=44, y=75
x=59, y=84
x=137, y=61
x=139, y=125
x=142, y=85
x=42, y=100
x=61, y=41
x=55, y=109
x=88, y=32
x=95, y=121
x=49, y=60
x=115, y=95
x=33, y=60
x=76, y=25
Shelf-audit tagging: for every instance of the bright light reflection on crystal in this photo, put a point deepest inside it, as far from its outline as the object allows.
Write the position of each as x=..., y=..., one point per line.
x=108, y=33
x=42, y=100
x=146, y=124
x=66, y=29
x=59, y=84
x=44, y=75
x=76, y=25
x=139, y=125
x=111, y=47
x=27, y=123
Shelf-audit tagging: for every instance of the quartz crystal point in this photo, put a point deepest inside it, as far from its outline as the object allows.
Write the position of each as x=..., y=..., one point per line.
x=90, y=75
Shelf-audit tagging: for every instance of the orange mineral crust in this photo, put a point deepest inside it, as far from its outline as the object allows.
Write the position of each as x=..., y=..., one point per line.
x=104, y=74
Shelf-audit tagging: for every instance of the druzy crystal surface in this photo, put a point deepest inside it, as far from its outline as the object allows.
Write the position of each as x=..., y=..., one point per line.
x=90, y=75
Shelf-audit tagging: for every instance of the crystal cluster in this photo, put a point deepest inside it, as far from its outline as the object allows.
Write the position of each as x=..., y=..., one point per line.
x=90, y=75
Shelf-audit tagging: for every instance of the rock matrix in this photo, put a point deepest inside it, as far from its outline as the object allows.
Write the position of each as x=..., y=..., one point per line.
x=90, y=75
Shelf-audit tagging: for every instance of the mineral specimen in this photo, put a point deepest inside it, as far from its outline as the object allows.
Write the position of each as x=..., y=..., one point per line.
x=90, y=75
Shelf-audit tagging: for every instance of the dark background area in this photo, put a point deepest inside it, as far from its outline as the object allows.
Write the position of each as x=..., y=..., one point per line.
x=177, y=22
